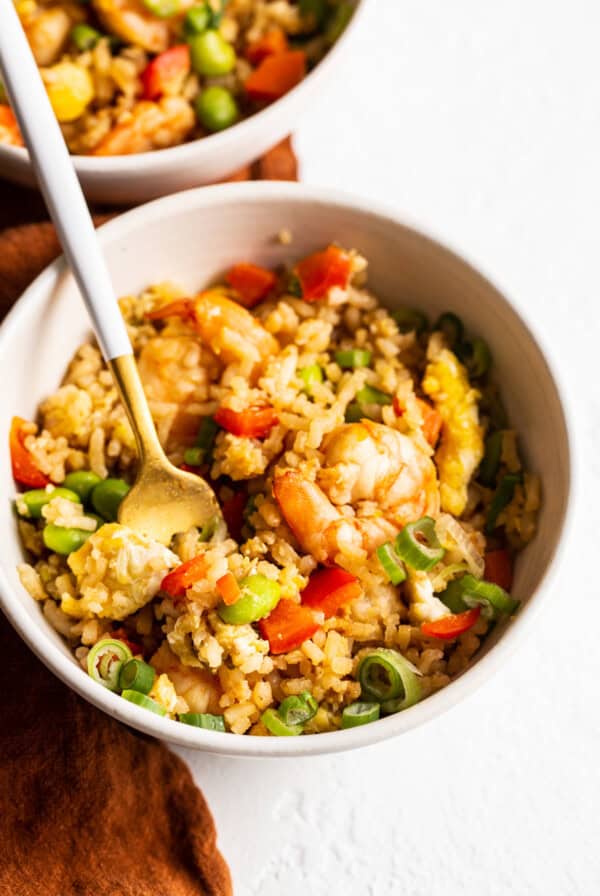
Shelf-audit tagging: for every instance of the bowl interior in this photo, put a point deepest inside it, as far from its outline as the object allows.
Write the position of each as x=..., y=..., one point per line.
x=194, y=236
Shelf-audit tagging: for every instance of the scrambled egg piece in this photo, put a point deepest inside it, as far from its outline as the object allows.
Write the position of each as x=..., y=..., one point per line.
x=461, y=446
x=424, y=605
x=118, y=571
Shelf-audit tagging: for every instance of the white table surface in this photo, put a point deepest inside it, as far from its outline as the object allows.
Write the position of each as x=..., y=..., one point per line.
x=481, y=120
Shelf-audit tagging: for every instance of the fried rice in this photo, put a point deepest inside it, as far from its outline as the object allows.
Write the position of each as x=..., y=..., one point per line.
x=334, y=424
x=130, y=76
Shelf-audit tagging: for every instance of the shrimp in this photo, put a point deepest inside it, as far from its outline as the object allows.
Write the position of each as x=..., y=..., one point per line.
x=229, y=330
x=131, y=21
x=364, y=462
x=372, y=462
x=149, y=126
x=47, y=33
x=319, y=526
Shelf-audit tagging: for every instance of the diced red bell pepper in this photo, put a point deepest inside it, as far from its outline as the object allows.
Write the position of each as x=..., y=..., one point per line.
x=177, y=308
x=319, y=272
x=183, y=577
x=254, y=423
x=449, y=627
x=24, y=469
x=274, y=41
x=166, y=70
x=288, y=626
x=329, y=589
x=233, y=514
x=251, y=283
x=499, y=568
x=228, y=588
x=9, y=127
x=432, y=420
x=276, y=75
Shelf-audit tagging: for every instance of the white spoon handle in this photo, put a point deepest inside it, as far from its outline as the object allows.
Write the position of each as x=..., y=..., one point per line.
x=59, y=184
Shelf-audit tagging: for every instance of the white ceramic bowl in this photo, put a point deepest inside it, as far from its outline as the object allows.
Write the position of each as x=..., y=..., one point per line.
x=190, y=238
x=138, y=178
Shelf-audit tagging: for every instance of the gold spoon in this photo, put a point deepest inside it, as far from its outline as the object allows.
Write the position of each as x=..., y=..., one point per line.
x=163, y=500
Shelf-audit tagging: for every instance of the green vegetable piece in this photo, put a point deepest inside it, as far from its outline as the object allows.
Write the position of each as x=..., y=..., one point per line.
x=354, y=413
x=208, y=530
x=30, y=503
x=162, y=9
x=491, y=459
x=298, y=710
x=275, y=724
x=136, y=675
x=418, y=545
x=392, y=565
x=217, y=11
x=85, y=37
x=294, y=286
x=260, y=595
x=370, y=395
x=310, y=375
x=197, y=20
x=216, y=108
x=203, y=720
x=452, y=328
x=64, y=541
x=353, y=358
x=82, y=482
x=211, y=55
x=468, y=592
x=339, y=21
x=107, y=496
x=504, y=495
x=144, y=701
x=360, y=714
x=385, y=675
x=193, y=456
x=476, y=357
x=313, y=12
x=409, y=320
x=105, y=661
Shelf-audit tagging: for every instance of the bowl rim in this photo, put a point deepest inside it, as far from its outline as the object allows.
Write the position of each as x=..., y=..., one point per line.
x=314, y=744
x=196, y=150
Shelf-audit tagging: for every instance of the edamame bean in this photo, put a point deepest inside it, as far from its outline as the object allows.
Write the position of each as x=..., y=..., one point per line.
x=37, y=498
x=211, y=54
x=216, y=108
x=260, y=595
x=64, y=541
x=107, y=496
x=83, y=482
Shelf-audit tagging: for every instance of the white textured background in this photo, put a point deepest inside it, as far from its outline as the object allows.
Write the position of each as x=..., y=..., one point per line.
x=481, y=120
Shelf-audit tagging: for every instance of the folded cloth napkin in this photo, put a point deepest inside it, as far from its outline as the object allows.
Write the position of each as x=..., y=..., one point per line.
x=87, y=806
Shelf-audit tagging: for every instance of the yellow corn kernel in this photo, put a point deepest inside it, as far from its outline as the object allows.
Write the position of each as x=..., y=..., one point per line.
x=70, y=89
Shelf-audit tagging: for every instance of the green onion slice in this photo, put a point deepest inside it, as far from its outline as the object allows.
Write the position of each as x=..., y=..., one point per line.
x=504, y=495
x=275, y=724
x=310, y=375
x=203, y=720
x=370, y=395
x=105, y=660
x=407, y=320
x=163, y=9
x=298, y=710
x=468, y=592
x=452, y=328
x=491, y=459
x=294, y=286
x=418, y=545
x=392, y=565
x=360, y=714
x=354, y=413
x=203, y=446
x=340, y=18
x=476, y=357
x=85, y=37
x=353, y=357
x=136, y=675
x=145, y=702
x=385, y=674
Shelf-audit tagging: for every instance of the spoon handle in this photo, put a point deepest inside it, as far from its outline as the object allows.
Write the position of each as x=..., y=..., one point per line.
x=59, y=184
x=68, y=209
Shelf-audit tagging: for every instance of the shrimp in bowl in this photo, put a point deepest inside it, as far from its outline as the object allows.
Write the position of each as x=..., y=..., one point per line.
x=372, y=492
